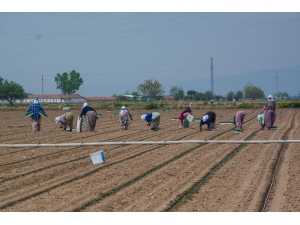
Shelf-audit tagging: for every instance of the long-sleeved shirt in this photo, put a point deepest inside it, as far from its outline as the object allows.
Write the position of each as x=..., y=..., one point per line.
x=270, y=105
x=148, y=117
x=35, y=108
x=85, y=110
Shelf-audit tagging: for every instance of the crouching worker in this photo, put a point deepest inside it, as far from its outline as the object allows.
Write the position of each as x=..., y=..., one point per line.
x=153, y=120
x=65, y=120
x=210, y=119
x=238, y=120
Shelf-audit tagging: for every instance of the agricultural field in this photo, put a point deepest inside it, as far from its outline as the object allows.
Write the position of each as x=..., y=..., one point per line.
x=183, y=177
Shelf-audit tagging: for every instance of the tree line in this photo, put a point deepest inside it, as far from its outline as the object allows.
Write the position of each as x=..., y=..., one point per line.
x=70, y=82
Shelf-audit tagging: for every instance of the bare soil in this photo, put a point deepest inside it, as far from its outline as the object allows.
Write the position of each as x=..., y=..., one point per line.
x=185, y=177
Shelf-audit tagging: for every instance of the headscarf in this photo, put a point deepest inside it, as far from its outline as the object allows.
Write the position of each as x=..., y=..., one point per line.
x=57, y=119
x=143, y=117
x=205, y=118
x=270, y=98
x=36, y=101
x=123, y=108
x=85, y=104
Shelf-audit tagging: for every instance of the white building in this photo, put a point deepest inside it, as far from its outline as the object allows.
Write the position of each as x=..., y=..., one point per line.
x=56, y=98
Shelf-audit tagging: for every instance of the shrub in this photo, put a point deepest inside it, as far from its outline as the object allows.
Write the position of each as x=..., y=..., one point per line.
x=244, y=105
x=151, y=106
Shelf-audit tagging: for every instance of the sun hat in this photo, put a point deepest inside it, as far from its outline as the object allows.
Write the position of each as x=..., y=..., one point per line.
x=143, y=117
x=57, y=119
x=85, y=104
x=205, y=118
x=36, y=101
x=270, y=97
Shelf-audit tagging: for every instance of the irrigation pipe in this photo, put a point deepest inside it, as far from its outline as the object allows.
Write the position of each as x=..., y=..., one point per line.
x=151, y=143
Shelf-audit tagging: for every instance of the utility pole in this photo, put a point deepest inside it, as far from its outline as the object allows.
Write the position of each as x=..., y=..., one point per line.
x=276, y=85
x=212, y=79
x=42, y=88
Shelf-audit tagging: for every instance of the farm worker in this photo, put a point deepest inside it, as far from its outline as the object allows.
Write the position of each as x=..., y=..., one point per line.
x=124, y=117
x=153, y=120
x=210, y=119
x=36, y=108
x=261, y=121
x=183, y=115
x=90, y=116
x=269, y=112
x=238, y=119
x=65, y=120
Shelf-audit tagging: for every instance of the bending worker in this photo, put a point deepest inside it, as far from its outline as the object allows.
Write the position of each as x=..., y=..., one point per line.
x=239, y=118
x=153, y=120
x=125, y=118
x=65, y=120
x=210, y=119
x=183, y=115
x=90, y=116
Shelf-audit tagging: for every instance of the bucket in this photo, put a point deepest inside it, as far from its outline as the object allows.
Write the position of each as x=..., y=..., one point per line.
x=186, y=123
x=98, y=157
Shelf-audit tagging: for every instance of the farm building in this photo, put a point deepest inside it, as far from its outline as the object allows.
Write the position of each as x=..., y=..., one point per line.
x=168, y=98
x=100, y=99
x=56, y=98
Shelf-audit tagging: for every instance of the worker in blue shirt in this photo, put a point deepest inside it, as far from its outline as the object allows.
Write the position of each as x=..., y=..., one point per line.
x=152, y=119
x=36, y=110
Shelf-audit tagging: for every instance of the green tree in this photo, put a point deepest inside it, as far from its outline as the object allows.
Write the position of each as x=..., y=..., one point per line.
x=218, y=97
x=285, y=95
x=191, y=92
x=12, y=92
x=230, y=96
x=150, y=88
x=279, y=94
x=68, y=83
x=190, y=95
x=174, y=90
x=179, y=95
x=282, y=95
x=208, y=95
x=121, y=98
x=253, y=92
x=2, y=81
x=135, y=95
x=238, y=95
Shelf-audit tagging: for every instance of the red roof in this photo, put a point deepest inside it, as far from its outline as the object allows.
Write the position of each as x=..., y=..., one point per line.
x=55, y=96
x=100, y=98
x=168, y=97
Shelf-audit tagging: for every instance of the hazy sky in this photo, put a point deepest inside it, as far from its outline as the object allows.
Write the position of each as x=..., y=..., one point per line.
x=116, y=51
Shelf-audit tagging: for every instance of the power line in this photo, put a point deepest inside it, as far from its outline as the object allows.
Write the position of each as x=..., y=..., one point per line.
x=45, y=49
